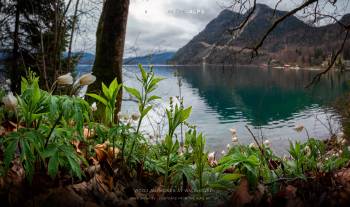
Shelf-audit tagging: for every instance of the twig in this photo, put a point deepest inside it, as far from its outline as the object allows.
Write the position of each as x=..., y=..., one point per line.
x=334, y=58
x=256, y=141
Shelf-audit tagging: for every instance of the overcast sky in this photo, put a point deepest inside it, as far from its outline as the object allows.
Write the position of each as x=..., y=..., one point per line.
x=163, y=25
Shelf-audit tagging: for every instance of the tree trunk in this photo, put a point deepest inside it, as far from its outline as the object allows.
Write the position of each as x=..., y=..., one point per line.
x=71, y=37
x=15, y=77
x=110, y=39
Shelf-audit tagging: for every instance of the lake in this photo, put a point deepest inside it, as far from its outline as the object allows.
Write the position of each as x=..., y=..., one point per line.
x=269, y=101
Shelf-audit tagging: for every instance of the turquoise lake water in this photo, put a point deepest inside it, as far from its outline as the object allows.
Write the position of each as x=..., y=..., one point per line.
x=270, y=101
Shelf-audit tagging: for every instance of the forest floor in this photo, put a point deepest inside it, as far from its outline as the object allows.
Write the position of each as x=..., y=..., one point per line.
x=107, y=184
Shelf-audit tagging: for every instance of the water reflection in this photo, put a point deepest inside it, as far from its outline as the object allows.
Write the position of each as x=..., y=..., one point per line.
x=269, y=99
x=262, y=95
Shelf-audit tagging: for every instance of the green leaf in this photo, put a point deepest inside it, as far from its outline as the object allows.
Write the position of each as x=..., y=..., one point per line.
x=168, y=142
x=75, y=167
x=231, y=177
x=49, y=151
x=9, y=153
x=153, y=98
x=153, y=84
x=146, y=110
x=143, y=73
x=114, y=85
x=97, y=97
x=185, y=114
x=53, y=165
x=106, y=91
x=134, y=92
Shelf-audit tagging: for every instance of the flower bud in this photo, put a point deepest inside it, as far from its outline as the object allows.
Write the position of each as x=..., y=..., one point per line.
x=10, y=101
x=135, y=116
x=66, y=79
x=252, y=145
x=299, y=128
x=233, y=131
x=120, y=115
x=234, y=139
x=93, y=107
x=87, y=79
x=307, y=150
x=211, y=156
x=8, y=81
x=267, y=142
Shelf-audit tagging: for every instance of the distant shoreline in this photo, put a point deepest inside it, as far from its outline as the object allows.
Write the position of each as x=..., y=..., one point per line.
x=311, y=68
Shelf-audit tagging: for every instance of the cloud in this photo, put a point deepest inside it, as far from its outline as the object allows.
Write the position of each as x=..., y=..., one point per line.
x=167, y=25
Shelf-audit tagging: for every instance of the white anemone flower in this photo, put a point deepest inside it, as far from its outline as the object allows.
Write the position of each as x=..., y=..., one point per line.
x=94, y=107
x=228, y=146
x=65, y=79
x=10, y=101
x=87, y=79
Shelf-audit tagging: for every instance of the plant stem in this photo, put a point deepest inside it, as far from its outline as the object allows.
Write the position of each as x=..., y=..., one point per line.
x=123, y=147
x=53, y=127
x=166, y=171
x=138, y=125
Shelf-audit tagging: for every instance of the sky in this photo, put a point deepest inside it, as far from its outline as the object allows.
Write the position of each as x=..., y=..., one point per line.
x=162, y=25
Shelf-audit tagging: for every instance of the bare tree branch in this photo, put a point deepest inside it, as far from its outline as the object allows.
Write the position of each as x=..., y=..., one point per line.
x=278, y=21
x=333, y=59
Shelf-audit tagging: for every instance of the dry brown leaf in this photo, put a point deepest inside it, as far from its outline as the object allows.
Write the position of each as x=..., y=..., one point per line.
x=88, y=133
x=343, y=176
x=259, y=193
x=100, y=186
x=2, y=182
x=14, y=126
x=93, y=161
x=291, y=192
x=2, y=131
x=241, y=196
x=101, y=153
x=110, y=152
x=16, y=174
x=76, y=144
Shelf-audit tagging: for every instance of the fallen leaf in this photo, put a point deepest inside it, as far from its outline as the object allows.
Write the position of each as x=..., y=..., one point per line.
x=110, y=152
x=88, y=133
x=76, y=144
x=2, y=131
x=101, y=153
x=291, y=192
x=241, y=196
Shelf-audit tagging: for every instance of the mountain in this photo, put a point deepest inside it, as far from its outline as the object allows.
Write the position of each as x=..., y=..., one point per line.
x=86, y=59
x=156, y=59
x=292, y=41
x=159, y=58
